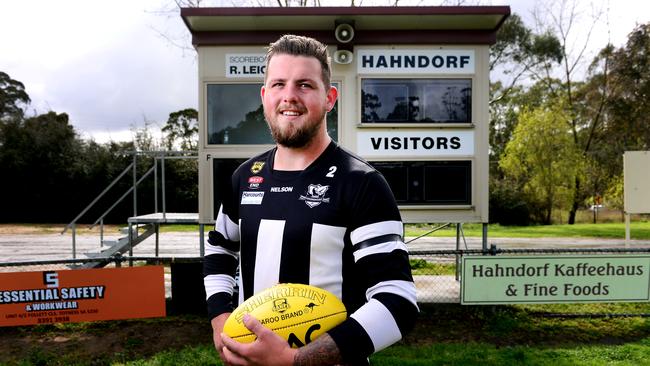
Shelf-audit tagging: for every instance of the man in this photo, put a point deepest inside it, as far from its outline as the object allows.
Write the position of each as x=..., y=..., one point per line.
x=309, y=212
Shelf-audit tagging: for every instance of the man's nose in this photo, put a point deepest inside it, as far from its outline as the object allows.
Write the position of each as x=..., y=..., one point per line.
x=290, y=93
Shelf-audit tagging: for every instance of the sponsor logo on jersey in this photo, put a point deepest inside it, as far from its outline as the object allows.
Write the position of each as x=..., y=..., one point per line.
x=255, y=181
x=315, y=195
x=281, y=189
x=257, y=167
x=252, y=198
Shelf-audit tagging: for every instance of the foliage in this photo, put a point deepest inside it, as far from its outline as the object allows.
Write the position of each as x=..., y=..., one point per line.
x=508, y=203
x=182, y=129
x=40, y=154
x=606, y=109
x=614, y=193
x=12, y=97
x=51, y=174
x=628, y=124
x=423, y=267
x=606, y=113
x=518, y=55
x=542, y=157
x=521, y=53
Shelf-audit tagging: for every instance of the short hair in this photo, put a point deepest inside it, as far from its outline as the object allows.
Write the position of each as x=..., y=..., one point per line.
x=290, y=44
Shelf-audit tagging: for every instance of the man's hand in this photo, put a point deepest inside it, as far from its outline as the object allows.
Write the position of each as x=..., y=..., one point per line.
x=217, y=329
x=269, y=349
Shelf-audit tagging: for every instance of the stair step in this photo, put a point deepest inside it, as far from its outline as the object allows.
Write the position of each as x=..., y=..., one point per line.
x=125, y=230
x=93, y=255
x=120, y=246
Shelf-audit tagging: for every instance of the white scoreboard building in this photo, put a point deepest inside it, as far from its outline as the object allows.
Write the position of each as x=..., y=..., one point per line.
x=413, y=97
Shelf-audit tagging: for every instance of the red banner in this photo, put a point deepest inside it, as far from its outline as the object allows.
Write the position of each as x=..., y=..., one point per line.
x=28, y=298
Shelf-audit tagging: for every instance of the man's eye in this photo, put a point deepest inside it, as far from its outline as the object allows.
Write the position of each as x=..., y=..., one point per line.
x=276, y=85
x=305, y=85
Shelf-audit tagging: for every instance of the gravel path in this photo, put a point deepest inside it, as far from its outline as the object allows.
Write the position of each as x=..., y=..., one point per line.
x=32, y=247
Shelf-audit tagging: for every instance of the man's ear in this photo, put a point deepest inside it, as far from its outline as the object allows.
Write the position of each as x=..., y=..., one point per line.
x=262, y=91
x=332, y=94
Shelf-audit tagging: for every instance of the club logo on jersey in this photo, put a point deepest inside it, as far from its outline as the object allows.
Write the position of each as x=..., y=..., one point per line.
x=252, y=198
x=281, y=189
x=255, y=181
x=257, y=167
x=315, y=195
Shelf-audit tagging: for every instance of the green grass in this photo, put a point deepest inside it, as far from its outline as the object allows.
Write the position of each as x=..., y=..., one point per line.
x=197, y=356
x=634, y=353
x=422, y=267
x=611, y=230
x=480, y=354
x=446, y=334
x=495, y=335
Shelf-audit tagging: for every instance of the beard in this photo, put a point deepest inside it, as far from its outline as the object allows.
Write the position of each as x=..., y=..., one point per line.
x=292, y=136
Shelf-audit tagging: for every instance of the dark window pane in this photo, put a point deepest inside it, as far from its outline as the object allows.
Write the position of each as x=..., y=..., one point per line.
x=416, y=100
x=448, y=182
x=222, y=170
x=235, y=115
x=429, y=182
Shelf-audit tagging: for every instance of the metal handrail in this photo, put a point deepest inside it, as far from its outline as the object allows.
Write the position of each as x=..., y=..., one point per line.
x=71, y=224
x=157, y=155
x=121, y=198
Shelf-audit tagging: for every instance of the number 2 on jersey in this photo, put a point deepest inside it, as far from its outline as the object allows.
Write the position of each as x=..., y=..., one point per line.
x=331, y=172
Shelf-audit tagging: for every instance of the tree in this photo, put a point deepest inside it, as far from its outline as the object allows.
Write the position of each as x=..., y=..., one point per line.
x=518, y=55
x=542, y=158
x=560, y=17
x=41, y=155
x=629, y=123
x=12, y=95
x=182, y=129
x=614, y=98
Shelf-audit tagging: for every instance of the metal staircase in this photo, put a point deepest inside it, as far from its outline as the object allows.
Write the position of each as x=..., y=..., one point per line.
x=120, y=246
x=140, y=227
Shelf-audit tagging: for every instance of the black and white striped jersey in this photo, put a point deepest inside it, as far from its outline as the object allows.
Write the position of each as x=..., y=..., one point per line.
x=334, y=225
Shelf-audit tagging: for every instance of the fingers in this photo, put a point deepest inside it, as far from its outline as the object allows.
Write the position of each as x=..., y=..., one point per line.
x=232, y=358
x=217, y=326
x=218, y=344
x=263, y=351
x=254, y=325
x=231, y=344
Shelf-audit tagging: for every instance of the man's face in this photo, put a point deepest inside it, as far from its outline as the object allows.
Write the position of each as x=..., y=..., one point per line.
x=295, y=99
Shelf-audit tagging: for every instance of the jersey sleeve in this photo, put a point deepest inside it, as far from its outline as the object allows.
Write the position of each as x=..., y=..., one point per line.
x=222, y=256
x=382, y=266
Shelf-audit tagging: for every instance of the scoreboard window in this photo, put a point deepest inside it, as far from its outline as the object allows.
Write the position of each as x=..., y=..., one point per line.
x=416, y=100
x=441, y=183
x=235, y=115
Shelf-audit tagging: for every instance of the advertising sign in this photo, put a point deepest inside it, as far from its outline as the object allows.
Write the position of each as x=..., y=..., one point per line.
x=63, y=296
x=559, y=279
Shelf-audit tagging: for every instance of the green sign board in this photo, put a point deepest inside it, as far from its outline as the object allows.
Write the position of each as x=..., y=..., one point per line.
x=556, y=279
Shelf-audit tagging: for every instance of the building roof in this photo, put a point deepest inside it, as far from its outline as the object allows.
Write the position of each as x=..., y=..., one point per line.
x=372, y=25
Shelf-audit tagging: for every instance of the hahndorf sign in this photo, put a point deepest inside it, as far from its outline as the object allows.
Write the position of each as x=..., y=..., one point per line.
x=558, y=279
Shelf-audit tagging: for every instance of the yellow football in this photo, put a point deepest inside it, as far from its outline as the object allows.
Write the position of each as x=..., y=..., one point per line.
x=298, y=313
